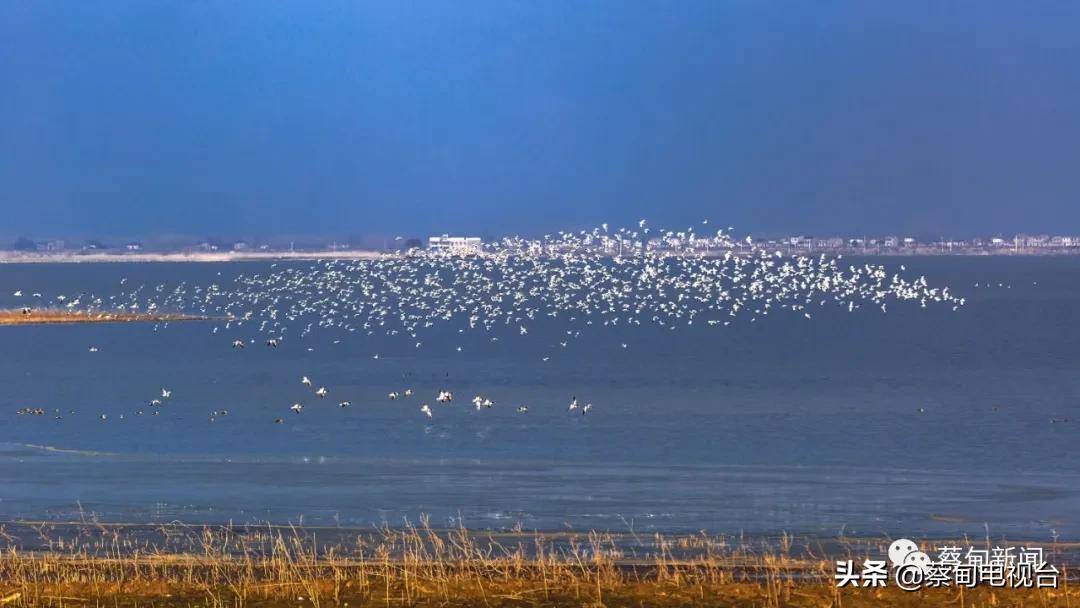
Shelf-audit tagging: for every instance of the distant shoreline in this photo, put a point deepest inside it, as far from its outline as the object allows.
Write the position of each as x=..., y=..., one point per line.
x=52, y=316
x=19, y=257
x=77, y=257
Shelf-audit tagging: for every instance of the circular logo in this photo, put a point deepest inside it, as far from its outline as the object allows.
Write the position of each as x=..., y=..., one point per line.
x=899, y=549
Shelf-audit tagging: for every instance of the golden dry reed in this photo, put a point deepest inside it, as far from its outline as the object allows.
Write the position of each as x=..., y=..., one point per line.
x=420, y=566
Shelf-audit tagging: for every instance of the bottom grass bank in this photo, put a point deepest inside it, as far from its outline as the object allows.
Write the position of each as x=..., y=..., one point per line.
x=95, y=565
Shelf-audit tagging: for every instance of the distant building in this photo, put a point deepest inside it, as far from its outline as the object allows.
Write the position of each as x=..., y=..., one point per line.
x=134, y=246
x=241, y=246
x=24, y=244
x=456, y=244
x=1039, y=240
x=53, y=245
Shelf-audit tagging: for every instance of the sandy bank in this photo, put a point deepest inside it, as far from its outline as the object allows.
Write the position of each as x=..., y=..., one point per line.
x=19, y=257
x=53, y=316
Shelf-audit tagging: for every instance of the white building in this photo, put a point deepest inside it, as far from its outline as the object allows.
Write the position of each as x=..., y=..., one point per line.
x=456, y=244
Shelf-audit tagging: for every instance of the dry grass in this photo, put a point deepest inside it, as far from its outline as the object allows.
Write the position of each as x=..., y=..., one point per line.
x=51, y=316
x=419, y=566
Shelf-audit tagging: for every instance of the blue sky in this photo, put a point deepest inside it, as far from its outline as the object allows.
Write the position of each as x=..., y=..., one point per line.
x=262, y=118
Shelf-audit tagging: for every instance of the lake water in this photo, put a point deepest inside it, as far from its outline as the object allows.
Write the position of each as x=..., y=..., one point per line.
x=780, y=425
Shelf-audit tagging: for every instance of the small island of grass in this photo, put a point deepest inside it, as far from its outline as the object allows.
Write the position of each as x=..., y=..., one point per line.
x=52, y=316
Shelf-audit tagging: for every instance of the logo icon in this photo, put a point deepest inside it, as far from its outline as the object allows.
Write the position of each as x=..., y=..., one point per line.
x=900, y=549
x=905, y=555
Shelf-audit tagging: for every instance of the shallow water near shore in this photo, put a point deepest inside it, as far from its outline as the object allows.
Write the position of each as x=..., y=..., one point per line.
x=785, y=424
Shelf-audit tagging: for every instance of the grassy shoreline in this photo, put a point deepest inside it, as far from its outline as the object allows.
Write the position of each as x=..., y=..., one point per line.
x=52, y=316
x=420, y=566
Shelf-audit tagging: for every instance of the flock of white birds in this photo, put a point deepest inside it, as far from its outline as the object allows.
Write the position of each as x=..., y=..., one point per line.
x=597, y=278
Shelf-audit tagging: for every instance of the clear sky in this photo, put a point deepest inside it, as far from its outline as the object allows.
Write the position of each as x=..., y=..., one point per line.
x=319, y=117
